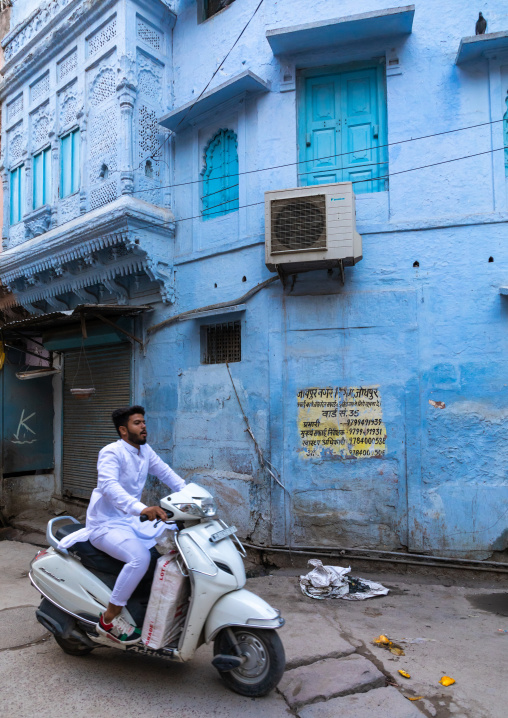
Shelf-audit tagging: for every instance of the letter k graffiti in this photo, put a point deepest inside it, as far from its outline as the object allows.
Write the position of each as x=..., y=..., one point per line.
x=23, y=425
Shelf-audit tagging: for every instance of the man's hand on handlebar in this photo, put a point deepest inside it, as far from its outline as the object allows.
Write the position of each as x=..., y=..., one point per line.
x=154, y=512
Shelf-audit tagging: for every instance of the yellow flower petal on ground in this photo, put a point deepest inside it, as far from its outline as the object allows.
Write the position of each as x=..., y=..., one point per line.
x=404, y=674
x=447, y=681
x=382, y=639
x=397, y=651
x=414, y=698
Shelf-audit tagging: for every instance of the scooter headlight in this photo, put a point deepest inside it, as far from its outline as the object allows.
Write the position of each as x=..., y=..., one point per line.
x=188, y=509
x=208, y=507
x=204, y=508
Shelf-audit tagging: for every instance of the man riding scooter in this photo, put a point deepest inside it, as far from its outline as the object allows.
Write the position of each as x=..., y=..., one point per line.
x=112, y=518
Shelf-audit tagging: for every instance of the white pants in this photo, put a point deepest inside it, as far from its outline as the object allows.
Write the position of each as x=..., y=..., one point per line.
x=133, y=553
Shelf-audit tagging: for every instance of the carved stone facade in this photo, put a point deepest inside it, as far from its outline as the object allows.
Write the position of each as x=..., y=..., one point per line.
x=96, y=73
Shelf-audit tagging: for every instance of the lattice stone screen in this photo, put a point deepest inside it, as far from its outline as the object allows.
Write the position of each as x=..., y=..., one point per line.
x=67, y=65
x=15, y=143
x=103, y=35
x=40, y=127
x=15, y=107
x=39, y=88
x=103, y=195
x=149, y=34
x=102, y=135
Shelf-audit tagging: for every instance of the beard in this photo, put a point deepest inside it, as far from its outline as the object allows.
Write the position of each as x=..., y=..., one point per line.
x=136, y=438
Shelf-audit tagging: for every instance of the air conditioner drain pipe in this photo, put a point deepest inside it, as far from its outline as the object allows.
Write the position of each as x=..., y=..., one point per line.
x=404, y=558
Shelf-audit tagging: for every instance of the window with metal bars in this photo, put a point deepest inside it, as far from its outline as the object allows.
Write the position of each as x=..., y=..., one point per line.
x=221, y=343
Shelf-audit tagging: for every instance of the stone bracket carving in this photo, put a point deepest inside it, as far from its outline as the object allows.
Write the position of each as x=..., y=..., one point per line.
x=121, y=294
x=38, y=222
x=125, y=239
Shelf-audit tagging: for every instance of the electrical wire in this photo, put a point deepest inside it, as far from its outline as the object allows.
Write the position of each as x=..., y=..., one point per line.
x=372, y=179
x=325, y=157
x=161, y=147
x=262, y=459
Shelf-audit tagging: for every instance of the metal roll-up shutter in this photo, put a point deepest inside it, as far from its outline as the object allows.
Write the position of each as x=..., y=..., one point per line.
x=87, y=425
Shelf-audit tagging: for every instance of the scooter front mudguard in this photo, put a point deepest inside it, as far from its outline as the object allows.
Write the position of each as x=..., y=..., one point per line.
x=241, y=608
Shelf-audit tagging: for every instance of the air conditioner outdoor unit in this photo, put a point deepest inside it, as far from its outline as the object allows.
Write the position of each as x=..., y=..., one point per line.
x=311, y=228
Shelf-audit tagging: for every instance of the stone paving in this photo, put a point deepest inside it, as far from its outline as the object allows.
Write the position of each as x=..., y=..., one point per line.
x=326, y=678
x=377, y=702
x=329, y=678
x=332, y=668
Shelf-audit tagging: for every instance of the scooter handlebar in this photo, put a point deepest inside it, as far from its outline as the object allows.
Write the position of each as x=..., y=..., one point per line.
x=144, y=517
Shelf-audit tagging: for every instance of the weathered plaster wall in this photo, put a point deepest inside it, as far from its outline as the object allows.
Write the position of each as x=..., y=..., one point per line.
x=25, y=493
x=434, y=332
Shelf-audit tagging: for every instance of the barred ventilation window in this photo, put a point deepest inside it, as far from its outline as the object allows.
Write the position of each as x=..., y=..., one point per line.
x=221, y=343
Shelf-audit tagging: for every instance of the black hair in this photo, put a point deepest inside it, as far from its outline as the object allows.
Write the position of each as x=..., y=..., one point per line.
x=121, y=416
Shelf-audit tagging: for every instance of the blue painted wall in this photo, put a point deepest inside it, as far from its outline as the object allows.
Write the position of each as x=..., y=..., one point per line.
x=435, y=332
x=421, y=316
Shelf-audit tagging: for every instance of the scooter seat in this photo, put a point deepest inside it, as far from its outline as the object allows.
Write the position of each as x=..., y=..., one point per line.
x=90, y=556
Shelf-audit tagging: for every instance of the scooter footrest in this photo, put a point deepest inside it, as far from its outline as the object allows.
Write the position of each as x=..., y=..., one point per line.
x=225, y=663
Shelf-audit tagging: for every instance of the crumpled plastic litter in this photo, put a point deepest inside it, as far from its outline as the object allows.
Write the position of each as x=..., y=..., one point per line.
x=447, y=681
x=334, y=582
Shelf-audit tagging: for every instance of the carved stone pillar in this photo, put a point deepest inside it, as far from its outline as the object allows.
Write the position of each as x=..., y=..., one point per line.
x=126, y=90
x=6, y=209
x=83, y=163
x=55, y=176
x=29, y=185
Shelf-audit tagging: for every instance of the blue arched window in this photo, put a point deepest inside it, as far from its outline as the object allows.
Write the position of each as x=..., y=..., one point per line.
x=220, y=175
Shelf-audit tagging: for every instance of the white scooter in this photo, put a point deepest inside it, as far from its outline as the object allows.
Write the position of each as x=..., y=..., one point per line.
x=76, y=585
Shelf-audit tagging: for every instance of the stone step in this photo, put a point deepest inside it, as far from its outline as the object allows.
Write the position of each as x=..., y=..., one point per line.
x=329, y=678
x=374, y=704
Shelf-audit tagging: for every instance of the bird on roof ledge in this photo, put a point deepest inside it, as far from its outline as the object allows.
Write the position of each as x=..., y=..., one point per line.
x=481, y=25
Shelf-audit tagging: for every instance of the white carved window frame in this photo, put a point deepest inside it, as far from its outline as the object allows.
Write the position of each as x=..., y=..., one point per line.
x=224, y=229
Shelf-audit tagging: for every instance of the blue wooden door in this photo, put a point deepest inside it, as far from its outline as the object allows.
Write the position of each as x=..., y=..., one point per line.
x=343, y=129
x=321, y=139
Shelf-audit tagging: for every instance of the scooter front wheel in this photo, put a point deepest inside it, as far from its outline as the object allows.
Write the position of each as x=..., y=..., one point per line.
x=264, y=659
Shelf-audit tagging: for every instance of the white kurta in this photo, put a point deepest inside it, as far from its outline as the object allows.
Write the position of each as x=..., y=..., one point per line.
x=115, y=503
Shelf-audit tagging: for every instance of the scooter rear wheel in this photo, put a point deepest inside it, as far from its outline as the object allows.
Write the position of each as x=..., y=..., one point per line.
x=264, y=664
x=72, y=646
